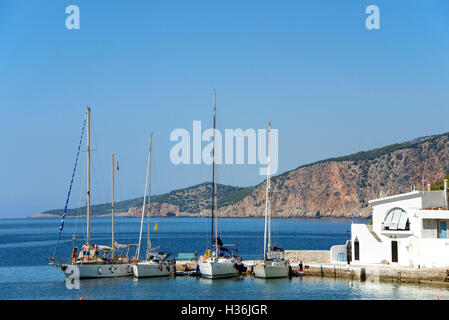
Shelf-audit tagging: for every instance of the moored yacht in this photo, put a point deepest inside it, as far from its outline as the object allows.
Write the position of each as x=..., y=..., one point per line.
x=273, y=264
x=94, y=261
x=156, y=264
x=217, y=262
x=218, y=267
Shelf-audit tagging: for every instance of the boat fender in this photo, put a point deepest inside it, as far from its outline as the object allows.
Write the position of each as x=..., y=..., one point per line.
x=129, y=270
x=99, y=270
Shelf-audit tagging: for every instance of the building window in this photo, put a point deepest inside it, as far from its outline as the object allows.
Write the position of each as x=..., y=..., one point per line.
x=443, y=230
x=396, y=219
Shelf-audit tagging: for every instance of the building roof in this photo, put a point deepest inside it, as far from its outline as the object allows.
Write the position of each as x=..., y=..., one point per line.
x=411, y=194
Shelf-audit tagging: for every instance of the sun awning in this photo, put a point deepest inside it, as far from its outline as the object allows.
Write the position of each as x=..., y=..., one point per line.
x=403, y=221
x=387, y=221
x=395, y=220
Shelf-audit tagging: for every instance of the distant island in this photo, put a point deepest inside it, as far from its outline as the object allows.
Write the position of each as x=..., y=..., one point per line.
x=335, y=187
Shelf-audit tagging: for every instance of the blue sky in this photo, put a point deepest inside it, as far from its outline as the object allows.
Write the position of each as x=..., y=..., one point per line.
x=330, y=86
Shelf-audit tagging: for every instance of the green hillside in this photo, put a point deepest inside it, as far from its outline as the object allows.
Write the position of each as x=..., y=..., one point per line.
x=191, y=199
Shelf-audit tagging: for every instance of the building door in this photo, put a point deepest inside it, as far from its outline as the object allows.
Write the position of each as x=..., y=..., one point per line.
x=443, y=232
x=356, y=250
x=394, y=251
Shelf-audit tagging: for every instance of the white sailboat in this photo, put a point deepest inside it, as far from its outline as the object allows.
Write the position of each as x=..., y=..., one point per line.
x=273, y=264
x=156, y=264
x=217, y=262
x=89, y=262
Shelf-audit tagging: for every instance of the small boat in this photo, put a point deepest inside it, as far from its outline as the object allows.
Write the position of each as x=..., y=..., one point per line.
x=89, y=262
x=156, y=264
x=217, y=262
x=297, y=273
x=273, y=264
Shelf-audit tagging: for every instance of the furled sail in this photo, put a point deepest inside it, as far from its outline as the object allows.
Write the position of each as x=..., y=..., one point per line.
x=121, y=246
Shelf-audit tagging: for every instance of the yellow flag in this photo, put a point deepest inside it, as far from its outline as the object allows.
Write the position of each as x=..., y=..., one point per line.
x=155, y=227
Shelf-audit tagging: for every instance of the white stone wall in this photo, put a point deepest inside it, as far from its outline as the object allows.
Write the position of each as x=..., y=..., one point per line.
x=371, y=251
x=429, y=253
x=403, y=251
x=335, y=250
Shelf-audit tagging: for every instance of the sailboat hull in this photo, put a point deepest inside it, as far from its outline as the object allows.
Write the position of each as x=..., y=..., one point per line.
x=216, y=270
x=87, y=271
x=271, y=271
x=145, y=270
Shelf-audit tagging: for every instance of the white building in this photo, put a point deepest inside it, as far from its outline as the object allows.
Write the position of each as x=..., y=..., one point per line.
x=409, y=229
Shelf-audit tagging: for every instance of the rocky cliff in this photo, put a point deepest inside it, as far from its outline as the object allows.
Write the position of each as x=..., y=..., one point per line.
x=334, y=187
x=341, y=186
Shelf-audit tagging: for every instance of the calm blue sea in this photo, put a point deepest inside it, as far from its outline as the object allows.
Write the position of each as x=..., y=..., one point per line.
x=25, y=245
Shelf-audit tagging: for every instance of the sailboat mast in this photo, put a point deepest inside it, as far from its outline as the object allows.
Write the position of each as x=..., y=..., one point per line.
x=112, y=209
x=143, y=206
x=149, y=200
x=267, y=231
x=88, y=176
x=214, y=242
x=269, y=187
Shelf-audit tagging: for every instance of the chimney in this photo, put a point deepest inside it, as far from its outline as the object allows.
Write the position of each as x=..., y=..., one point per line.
x=445, y=194
x=428, y=187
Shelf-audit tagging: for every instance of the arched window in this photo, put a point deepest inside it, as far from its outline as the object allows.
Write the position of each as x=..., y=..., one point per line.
x=396, y=219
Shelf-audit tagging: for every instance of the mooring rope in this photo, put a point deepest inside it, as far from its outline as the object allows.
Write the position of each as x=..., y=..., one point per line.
x=68, y=194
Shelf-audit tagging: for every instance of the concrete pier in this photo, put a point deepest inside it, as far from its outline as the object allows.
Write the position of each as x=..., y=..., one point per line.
x=308, y=256
x=316, y=264
x=186, y=265
x=374, y=273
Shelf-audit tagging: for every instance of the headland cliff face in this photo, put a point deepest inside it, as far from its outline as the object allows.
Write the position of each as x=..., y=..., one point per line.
x=339, y=187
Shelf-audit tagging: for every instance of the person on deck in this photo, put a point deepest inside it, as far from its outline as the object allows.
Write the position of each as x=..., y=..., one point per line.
x=74, y=255
x=84, y=250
